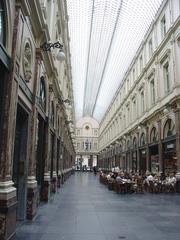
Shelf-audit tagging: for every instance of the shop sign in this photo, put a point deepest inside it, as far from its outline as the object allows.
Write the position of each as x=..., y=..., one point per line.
x=170, y=146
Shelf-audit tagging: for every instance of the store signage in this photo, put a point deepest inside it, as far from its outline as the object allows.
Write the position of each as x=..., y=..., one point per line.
x=170, y=146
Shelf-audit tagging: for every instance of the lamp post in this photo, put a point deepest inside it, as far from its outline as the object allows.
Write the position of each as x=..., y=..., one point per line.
x=48, y=46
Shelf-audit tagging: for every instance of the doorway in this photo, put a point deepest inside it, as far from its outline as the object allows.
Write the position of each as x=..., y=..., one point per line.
x=20, y=161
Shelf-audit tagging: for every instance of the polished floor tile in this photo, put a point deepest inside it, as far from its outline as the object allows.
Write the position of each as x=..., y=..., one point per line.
x=84, y=209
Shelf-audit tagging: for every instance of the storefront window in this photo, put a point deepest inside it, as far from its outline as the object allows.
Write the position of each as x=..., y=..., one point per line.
x=169, y=148
x=2, y=23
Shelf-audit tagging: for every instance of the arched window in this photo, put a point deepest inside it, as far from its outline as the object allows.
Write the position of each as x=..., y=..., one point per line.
x=42, y=93
x=169, y=128
x=142, y=140
x=128, y=145
x=2, y=23
x=58, y=126
x=120, y=148
x=134, y=143
x=154, y=135
x=52, y=113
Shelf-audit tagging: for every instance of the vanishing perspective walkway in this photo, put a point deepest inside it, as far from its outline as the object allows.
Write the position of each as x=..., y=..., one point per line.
x=84, y=209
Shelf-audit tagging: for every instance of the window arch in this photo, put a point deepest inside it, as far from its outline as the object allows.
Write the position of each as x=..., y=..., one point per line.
x=42, y=93
x=142, y=140
x=52, y=113
x=128, y=144
x=58, y=125
x=169, y=128
x=120, y=148
x=2, y=23
x=135, y=143
x=153, y=135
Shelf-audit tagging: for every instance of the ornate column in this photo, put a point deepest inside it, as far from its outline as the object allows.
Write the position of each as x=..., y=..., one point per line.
x=138, y=154
x=54, y=177
x=8, y=201
x=45, y=192
x=32, y=191
x=160, y=148
x=147, y=150
x=58, y=164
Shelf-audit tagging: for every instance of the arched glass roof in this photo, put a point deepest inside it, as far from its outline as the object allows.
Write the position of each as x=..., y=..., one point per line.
x=104, y=37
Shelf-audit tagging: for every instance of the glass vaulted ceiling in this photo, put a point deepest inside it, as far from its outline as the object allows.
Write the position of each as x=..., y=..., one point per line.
x=104, y=37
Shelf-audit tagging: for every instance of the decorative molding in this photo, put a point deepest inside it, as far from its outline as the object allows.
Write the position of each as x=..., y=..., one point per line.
x=27, y=61
x=165, y=56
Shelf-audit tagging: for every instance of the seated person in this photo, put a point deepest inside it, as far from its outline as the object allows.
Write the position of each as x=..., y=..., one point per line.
x=119, y=179
x=172, y=180
x=149, y=178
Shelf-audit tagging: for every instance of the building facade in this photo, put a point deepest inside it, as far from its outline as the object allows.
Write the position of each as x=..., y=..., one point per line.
x=36, y=146
x=141, y=129
x=87, y=131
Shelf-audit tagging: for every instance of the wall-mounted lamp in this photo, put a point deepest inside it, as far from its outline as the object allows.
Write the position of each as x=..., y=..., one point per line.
x=139, y=128
x=165, y=111
x=47, y=47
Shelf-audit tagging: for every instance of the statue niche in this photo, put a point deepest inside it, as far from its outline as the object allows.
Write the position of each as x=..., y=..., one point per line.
x=27, y=62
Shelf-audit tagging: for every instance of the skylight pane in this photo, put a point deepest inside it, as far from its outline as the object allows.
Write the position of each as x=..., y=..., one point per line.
x=105, y=35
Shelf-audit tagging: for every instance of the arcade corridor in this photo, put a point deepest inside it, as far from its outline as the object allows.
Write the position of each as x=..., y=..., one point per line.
x=85, y=210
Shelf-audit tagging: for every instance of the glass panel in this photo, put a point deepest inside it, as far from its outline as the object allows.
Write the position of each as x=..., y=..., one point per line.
x=105, y=35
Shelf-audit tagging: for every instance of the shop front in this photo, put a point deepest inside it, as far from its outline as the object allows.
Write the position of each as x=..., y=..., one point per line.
x=142, y=160
x=169, y=148
x=154, y=158
x=20, y=161
x=169, y=156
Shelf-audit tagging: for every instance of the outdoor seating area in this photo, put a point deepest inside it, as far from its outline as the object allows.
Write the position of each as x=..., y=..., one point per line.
x=122, y=182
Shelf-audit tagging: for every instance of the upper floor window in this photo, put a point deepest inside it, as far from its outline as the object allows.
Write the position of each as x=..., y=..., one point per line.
x=78, y=145
x=128, y=114
x=133, y=74
x=141, y=63
x=142, y=101
x=87, y=145
x=150, y=48
x=163, y=26
x=166, y=77
x=95, y=146
x=2, y=24
x=95, y=132
x=42, y=93
x=128, y=85
x=134, y=110
x=152, y=90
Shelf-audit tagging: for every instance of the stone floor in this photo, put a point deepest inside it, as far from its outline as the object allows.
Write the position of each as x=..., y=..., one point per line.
x=84, y=209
